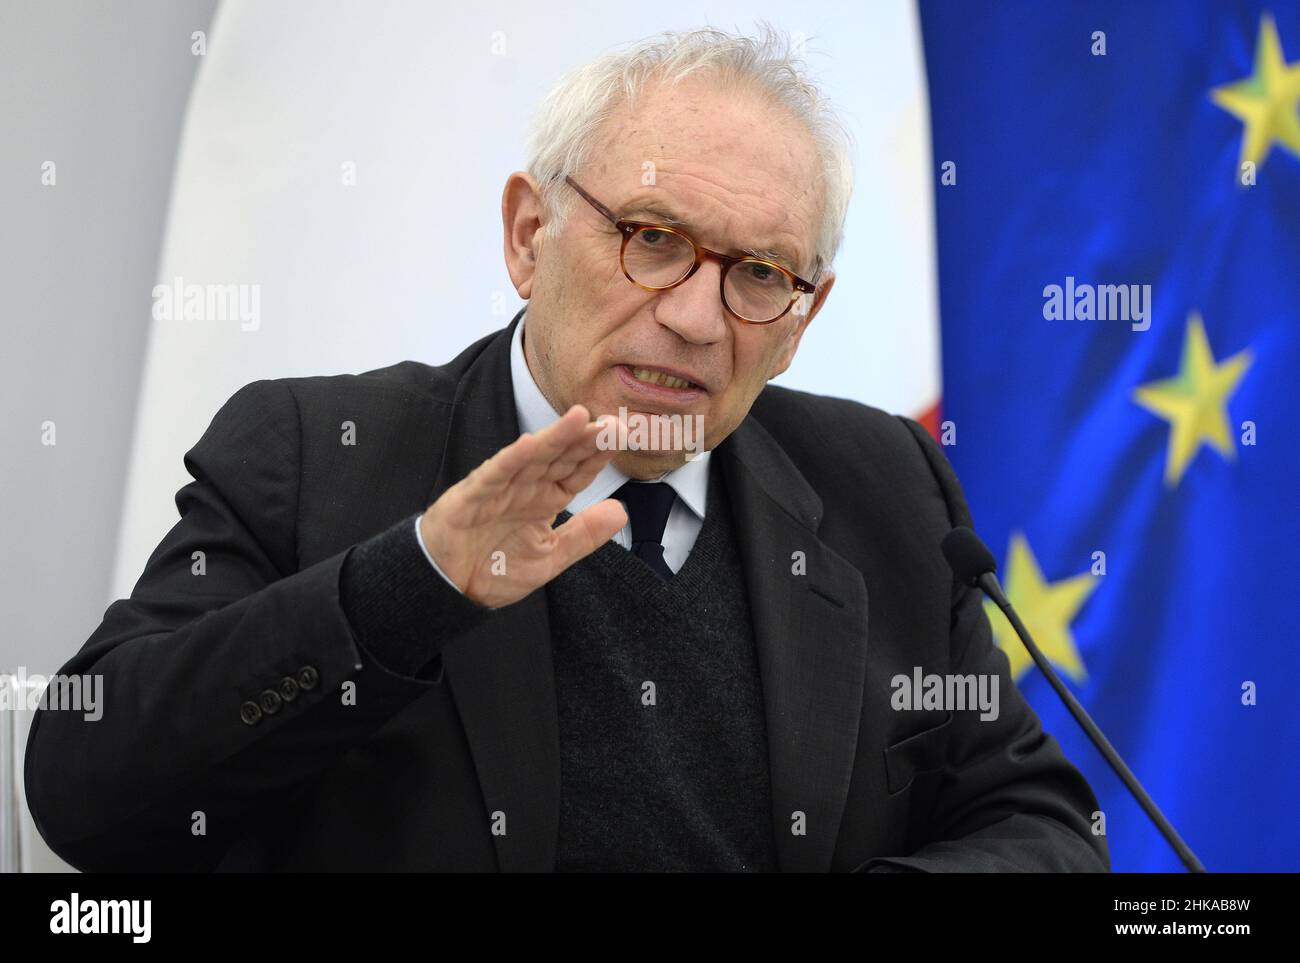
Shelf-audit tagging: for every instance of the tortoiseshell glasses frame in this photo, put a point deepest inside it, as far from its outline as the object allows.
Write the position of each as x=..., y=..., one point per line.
x=631, y=229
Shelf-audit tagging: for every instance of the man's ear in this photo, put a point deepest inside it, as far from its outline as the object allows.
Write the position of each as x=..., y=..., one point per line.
x=792, y=343
x=523, y=218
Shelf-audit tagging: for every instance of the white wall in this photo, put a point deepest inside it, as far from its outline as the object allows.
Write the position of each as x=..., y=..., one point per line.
x=100, y=90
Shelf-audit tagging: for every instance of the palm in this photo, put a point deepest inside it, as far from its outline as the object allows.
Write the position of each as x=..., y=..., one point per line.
x=491, y=532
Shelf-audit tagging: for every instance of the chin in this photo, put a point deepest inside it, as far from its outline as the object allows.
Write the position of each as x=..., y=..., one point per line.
x=645, y=465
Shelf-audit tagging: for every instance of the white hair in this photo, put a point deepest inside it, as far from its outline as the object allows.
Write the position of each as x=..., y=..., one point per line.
x=570, y=119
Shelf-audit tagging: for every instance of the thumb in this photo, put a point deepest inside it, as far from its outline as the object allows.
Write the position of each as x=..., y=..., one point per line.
x=587, y=531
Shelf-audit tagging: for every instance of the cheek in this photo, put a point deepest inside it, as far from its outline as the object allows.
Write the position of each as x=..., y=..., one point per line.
x=599, y=300
x=749, y=378
x=755, y=362
x=577, y=274
x=594, y=270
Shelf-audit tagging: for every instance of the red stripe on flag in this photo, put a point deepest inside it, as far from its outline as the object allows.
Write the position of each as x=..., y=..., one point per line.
x=930, y=418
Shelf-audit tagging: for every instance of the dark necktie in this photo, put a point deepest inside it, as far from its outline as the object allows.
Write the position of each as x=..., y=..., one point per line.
x=648, y=505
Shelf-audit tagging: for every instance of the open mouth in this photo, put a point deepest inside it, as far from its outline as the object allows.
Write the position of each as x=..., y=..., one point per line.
x=653, y=376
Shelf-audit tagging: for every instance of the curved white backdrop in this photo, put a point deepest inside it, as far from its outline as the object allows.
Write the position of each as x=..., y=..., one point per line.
x=430, y=104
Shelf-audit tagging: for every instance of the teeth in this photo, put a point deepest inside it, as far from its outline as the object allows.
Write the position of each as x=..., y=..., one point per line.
x=653, y=377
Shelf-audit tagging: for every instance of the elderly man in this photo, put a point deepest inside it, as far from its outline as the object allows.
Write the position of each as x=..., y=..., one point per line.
x=495, y=634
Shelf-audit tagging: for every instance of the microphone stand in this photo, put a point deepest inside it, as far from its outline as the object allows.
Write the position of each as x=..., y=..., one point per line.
x=989, y=583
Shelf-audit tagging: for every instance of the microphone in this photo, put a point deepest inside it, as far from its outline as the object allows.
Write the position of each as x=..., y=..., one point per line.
x=973, y=563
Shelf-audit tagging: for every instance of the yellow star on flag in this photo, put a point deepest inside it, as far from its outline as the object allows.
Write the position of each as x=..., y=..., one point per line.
x=1268, y=101
x=1195, y=401
x=1046, y=609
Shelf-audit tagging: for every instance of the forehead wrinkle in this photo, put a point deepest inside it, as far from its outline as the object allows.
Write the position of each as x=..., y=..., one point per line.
x=754, y=171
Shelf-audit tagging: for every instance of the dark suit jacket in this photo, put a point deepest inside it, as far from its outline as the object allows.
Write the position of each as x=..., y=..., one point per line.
x=408, y=777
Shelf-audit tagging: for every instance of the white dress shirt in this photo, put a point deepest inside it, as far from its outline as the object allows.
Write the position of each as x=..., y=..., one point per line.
x=690, y=481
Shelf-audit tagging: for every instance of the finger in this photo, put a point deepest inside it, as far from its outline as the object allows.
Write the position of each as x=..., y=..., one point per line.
x=528, y=454
x=593, y=437
x=587, y=531
x=561, y=439
x=489, y=478
x=556, y=438
x=587, y=444
x=585, y=471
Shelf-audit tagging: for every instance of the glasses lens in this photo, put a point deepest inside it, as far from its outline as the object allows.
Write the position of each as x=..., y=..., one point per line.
x=657, y=258
x=757, y=291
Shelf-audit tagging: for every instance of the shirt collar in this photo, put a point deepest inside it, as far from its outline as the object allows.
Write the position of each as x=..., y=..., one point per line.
x=690, y=481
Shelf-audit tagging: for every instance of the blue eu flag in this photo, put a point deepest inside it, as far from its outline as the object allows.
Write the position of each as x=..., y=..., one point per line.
x=1118, y=205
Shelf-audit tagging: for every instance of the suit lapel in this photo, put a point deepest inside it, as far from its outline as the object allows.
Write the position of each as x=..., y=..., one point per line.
x=501, y=676
x=811, y=638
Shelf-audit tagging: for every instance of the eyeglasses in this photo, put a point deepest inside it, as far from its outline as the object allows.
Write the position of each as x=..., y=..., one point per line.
x=657, y=257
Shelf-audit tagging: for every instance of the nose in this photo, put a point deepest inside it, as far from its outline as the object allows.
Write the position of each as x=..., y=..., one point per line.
x=694, y=308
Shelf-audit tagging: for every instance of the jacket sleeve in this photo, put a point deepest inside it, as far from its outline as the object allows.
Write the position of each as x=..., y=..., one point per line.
x=231, y=678
x=1009, y=800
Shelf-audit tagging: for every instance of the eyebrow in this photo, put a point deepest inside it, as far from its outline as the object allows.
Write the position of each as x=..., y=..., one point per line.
x=666, y=217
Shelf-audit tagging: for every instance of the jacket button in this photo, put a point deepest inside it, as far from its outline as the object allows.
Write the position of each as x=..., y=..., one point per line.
x=288, y=688
x=308, y=677
x=270, y=700
x=250, y=713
